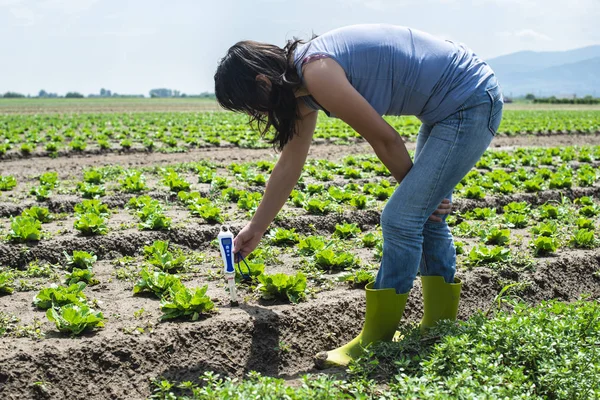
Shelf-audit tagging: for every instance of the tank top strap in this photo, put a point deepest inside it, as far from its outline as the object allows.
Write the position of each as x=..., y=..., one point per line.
x=313, y=57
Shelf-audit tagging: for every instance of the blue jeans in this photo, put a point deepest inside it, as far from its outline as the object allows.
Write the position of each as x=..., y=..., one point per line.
x=445, y=153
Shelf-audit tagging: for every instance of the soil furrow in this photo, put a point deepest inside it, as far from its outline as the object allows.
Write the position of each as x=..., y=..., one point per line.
x=277, y=340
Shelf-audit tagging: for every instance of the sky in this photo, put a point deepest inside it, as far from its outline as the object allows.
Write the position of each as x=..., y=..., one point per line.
x=132, y=46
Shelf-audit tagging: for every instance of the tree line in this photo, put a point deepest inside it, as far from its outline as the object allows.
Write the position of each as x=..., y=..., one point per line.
x=566, y=100
x=104, y=93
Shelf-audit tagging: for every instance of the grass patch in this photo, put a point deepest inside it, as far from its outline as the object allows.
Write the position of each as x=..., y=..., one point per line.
x=548, y=351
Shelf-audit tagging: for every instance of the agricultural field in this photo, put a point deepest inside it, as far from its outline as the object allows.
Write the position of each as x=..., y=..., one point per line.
x=111, y=281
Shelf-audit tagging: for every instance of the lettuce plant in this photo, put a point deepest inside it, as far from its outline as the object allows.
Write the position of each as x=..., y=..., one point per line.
x=184, y=302
x=298, y=198
x=205, y=174
x=91, y=224
x=80, y=259
x=6, y=280
x=360, y=202
x=584, y=201
x=346, y=230
x=547, y=229
x=480, y=213
x=589, y=210
x=133, y=182
x=283, y=287
x=93, y=206
x=517, y=207
x=485, y=255
x=330, y=260
x=41, y=192
x=93, y=176
x=560, y=181
x=515, y=220
x=314, y=188
x=90, y=190
x=283, y=237
x=584, y=223
x=192, y=198
x=474, y=192
x=359, y=278
x=533, y=185
x=137, y=203
x=7, y=182
x=459, y=246
x=382, y=193
x=208, y=212
x=153, y=218
x=254, y=270
x=496, y=236
x=371, y=239
x=27, y=148
x=158, y=254
x=548, y=211
x=544, y=245
x=126, y=143
x=156, y=282
x=75, y=318
x=59, y=295
x=219, y=182
x=175, y=183
x=249, y=201
x=103, y=144
x=318, y=206
x=583, y=238
x=23, y=229
x=81, y=275
x=78, y=144
x=339, y=195
x=310, y=245
x=231, y=194
x=39, y=213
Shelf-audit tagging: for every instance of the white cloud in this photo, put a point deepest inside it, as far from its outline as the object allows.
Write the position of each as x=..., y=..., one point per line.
x=526, y=34
x=23, y=15
x=68, y=6
x=8, y=3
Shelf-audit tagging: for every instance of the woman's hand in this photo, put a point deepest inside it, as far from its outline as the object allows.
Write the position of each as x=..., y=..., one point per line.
x=445, y=207
x=246, y=241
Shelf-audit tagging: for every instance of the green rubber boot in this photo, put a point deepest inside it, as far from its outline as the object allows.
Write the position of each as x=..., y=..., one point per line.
x=384, y=310
x=440, y=300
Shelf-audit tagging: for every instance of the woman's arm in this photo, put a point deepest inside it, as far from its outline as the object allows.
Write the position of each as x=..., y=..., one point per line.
x=283, y=178
x=286, y=172
x=327, y=83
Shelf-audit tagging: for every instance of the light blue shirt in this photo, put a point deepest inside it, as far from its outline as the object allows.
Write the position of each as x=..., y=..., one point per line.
x=400, y=71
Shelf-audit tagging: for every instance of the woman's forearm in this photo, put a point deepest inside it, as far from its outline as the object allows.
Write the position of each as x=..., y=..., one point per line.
x=281, y=183
x=394, y=155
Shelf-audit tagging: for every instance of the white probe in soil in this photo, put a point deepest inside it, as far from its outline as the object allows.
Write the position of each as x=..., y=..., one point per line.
x=225, y=238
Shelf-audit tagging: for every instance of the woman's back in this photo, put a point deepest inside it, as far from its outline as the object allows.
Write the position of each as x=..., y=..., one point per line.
x=401, y=71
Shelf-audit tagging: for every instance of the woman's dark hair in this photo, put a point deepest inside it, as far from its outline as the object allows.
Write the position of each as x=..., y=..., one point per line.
x=274, y=105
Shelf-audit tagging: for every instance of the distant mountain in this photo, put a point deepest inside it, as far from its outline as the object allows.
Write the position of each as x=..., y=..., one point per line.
x=556, y=73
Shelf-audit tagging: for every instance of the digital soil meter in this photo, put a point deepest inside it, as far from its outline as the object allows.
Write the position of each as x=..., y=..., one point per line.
x=225, y=239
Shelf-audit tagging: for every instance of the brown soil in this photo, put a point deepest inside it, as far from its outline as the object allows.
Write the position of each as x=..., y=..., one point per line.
x=272, y=338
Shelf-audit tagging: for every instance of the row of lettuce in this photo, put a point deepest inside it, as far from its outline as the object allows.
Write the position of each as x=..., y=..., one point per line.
x=357, y=182
x=510, y=237
x=54, y=134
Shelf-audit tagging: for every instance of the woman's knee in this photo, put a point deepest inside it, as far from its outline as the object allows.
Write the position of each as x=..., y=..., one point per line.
x=399, y=224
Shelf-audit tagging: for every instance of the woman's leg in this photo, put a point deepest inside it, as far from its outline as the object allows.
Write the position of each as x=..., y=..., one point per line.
x=439, y=253
x=451, y=150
